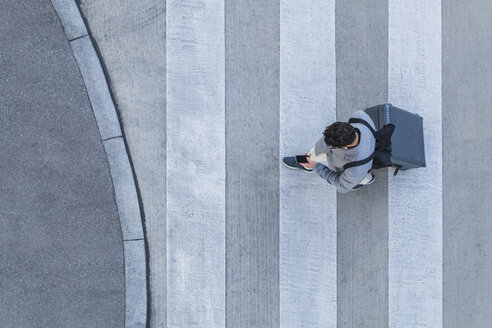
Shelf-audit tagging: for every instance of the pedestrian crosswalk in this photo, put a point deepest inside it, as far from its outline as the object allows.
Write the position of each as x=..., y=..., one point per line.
x=251, y=243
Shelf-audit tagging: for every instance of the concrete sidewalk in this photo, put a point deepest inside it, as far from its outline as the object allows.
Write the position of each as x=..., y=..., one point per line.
x=61, y=247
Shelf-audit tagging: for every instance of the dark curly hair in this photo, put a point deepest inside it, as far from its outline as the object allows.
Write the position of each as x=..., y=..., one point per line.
x=339, y=134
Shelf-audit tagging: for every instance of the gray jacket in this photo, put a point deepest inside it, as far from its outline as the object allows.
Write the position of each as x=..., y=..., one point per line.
x=345, y=180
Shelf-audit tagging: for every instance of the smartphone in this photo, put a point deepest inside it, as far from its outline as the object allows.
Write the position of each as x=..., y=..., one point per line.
x=301, y=159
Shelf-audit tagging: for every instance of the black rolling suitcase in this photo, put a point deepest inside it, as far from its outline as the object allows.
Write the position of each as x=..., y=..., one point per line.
x=407, y=140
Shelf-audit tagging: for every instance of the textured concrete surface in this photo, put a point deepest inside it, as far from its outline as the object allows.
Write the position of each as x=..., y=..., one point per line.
x=195, y=164
x=362, y=216
x=252, y=163
x=415, y=196
x=467, y=157
x=61, y=249
x=388, y=261
x=124, y=189
x=69, y=15
x=307, y=269
x=130, y=36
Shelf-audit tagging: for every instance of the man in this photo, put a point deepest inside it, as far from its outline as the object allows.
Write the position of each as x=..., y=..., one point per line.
x=341, y=143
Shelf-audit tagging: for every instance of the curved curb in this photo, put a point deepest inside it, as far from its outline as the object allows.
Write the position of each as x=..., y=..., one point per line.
x=118, y=159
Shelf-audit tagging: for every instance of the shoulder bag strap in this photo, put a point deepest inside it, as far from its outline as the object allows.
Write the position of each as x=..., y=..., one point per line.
x=358, y=120
x=361, y=162
x=366, y=160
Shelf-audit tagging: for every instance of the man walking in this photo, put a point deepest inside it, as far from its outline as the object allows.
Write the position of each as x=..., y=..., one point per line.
x=341, y=143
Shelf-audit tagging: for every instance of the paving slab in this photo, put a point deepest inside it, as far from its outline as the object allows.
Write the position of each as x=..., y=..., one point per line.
x=61, y=250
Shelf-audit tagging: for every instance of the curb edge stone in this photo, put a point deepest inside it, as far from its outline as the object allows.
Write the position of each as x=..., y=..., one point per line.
x=118, y=159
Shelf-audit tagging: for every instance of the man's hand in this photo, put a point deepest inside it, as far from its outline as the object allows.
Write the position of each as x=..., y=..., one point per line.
x=310, y=163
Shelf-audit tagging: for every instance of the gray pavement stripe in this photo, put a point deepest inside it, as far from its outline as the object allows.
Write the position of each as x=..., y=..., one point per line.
x=72, y=22
x=252, y=149
x=362, y=237
x=118, y=159
x=467, y=157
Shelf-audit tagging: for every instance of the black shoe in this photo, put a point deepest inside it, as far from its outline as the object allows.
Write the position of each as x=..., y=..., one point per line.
x=290, y=162
x=372, y=180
